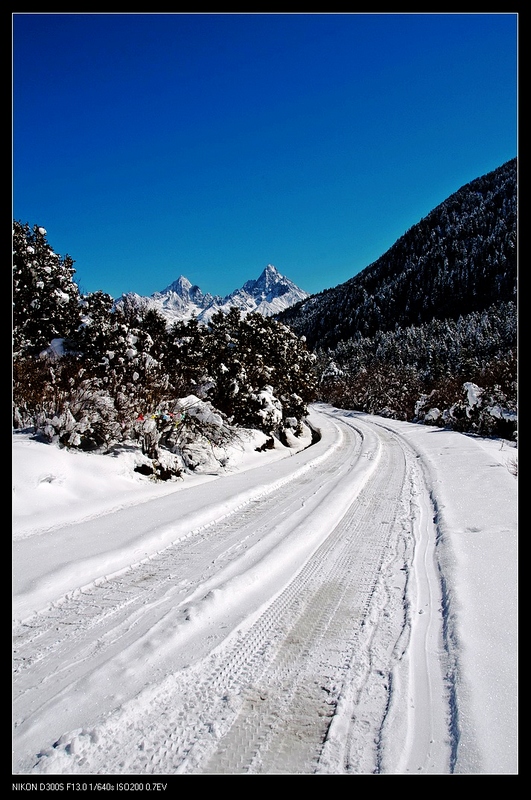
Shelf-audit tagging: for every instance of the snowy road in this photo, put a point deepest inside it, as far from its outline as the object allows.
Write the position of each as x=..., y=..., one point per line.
x=293, y=626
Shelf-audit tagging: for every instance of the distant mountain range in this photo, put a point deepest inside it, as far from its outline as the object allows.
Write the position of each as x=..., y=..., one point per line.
x=268, y=295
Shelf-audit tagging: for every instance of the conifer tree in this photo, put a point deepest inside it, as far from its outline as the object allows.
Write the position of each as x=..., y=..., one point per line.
x=45, y=297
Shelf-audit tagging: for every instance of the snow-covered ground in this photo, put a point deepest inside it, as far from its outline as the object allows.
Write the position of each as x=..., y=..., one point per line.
x=348, y=607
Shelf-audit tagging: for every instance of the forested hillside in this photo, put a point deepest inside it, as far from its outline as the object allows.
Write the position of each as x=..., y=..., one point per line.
x=458, y=259
x=429, y=331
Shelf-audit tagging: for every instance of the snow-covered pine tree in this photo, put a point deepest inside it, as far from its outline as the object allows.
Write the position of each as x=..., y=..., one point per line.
x=45, y=297
x=128, y=360
x=93, y=336
x=46, y=314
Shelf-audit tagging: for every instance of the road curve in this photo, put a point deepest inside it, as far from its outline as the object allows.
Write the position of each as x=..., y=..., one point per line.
x=296, y=630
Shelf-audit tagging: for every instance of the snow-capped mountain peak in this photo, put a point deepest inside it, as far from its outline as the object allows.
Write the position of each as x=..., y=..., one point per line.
x=181, y=286
x=266, y=282
x=269, y=294
x=181, y=300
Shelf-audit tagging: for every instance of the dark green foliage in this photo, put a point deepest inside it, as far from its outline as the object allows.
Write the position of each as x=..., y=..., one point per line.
x=460, y=258
x=253, y=359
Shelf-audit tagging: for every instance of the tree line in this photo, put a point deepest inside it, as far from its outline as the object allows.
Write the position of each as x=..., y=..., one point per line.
x=89, y=373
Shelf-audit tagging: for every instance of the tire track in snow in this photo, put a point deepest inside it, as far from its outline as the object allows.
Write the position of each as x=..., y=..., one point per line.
x=265, y=703
x=303, y=685
x=83, y=630
x=284, y=731
x=417, y=732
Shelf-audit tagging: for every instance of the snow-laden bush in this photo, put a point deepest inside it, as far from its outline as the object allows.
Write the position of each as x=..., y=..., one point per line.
x=468, y=407
x=269, y=409
x=186, y=434
x=258, y=372
x=84, y=418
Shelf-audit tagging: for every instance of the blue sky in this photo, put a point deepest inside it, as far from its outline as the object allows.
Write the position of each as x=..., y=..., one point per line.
x=209, y=145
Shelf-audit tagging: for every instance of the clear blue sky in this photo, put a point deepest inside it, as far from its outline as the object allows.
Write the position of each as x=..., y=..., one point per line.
x=209, y=145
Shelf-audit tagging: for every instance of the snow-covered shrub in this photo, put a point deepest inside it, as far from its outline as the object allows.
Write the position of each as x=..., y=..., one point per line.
x=466, y=406
x=269, y=409
x=53, y=395
x=258, y=372
x=200, y=434
x=186, y=434
x=84, y=418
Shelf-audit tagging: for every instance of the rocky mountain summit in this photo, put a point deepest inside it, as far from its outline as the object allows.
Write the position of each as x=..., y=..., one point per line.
x=269, y=294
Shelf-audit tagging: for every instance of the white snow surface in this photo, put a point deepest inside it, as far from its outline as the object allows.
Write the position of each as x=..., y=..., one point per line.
x=340, y=608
